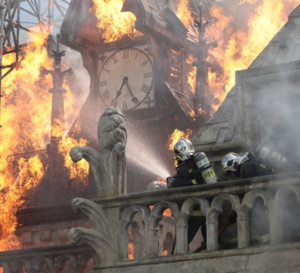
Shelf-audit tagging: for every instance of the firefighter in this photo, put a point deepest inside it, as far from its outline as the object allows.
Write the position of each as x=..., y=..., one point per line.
x=246, y=165
x=192, y=169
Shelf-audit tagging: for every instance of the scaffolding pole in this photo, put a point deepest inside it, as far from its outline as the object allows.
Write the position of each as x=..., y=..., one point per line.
x=2, y=8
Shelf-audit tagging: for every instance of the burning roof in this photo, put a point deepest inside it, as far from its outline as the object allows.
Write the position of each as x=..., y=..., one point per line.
x=234, y=24
x=262, y=106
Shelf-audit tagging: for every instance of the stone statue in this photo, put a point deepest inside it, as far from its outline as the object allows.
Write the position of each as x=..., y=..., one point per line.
x=108, y=165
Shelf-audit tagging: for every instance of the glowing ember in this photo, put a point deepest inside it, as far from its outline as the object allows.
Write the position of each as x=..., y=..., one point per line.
x=130, y=245
x=112, y=23
x=165, y=253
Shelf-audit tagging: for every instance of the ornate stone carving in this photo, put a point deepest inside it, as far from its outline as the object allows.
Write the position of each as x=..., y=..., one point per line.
x=109, y=165
x=100, y=238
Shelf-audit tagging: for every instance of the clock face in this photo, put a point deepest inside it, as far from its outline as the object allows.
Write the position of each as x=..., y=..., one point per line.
x=126, y=79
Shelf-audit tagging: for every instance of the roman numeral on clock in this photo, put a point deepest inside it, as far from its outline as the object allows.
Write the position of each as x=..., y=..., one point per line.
x=104, y=95
x=115, y=59
x=125, y=53
x=148, y=75
x=113, y=102
x=103, y=83
x=135, y=100
x=145, y=62
x=145, y=88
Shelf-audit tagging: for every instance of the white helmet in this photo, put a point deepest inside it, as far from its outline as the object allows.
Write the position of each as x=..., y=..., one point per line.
x=231, y=161
x=183, y=149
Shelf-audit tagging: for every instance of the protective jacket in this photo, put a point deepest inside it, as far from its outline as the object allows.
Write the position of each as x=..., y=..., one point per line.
x=187, y=174
x=251, y=166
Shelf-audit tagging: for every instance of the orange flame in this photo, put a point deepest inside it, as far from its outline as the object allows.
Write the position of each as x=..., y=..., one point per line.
x=26, y=110
x=238, y=43
x=183, y=12
x=79, y=169
x=112, y=23
x=176, y=135
x=240, y=47
x=130, y=245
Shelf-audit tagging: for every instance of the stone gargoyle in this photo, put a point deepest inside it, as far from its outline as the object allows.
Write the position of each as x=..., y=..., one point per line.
x=108, y=165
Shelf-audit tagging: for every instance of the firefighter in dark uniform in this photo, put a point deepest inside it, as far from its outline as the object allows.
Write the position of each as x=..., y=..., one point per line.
x=188, y=174
x=248, y=165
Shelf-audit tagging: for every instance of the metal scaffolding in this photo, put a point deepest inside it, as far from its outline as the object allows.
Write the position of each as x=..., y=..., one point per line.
x=17, y=17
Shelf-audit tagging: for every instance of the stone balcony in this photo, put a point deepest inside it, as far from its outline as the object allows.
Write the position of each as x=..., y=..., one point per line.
x=272, y=200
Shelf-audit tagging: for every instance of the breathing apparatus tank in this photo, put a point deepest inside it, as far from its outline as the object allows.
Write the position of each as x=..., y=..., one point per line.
x=205, y=167
x=270, y=157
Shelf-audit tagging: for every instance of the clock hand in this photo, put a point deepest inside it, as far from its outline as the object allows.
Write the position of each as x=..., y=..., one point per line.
x=134, y=99
x=119, y=92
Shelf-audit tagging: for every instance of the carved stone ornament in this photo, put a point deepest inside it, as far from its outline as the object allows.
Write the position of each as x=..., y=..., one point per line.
x=109, y=164
x=100, y=237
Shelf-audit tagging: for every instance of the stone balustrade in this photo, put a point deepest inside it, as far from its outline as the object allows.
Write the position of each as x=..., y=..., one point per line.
x=267, y=209
x=271, y=202
x=69, y=258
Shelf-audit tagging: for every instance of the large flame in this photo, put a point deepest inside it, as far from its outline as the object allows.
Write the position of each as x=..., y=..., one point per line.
x=242, y=32
x=25, y=132
x=241, y=46
x=112, y=23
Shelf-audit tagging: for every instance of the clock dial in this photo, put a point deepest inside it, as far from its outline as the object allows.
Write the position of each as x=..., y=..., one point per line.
x=126, y=79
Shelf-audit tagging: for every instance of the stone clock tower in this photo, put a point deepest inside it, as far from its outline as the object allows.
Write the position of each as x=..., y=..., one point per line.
x=146, y=77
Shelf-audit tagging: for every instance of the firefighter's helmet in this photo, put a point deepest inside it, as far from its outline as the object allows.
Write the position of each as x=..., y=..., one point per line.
x=183, y=149
x=230, y=162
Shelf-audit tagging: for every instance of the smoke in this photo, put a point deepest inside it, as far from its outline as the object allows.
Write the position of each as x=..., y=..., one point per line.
x=147, y=155
x=277, y=114
x=79, y=81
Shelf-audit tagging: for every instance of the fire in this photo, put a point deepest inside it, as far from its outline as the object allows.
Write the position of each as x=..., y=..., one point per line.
x=130, y=244
x=240, y=47
x=112, y=23
x=79, y=169
x=239, y=41
x=25, y=132
x=192, y=73
x=183, y=12
x=176, y=135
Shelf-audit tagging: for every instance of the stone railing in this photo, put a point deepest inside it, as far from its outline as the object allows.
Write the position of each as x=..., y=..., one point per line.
x=68, y=258
x=267, y=210
x=140, y=220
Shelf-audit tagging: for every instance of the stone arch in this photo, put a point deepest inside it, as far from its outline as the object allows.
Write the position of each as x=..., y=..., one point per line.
x=286, y=215
x=65, y=264
x=249, y=228
x=5, y=267
x=21, y=266
x=216, y=210
x=218, y=200
x=126, y=220
x=42, y=265
x=168, y=243
x=155, y=217
x=86, y=263
x=183, y=218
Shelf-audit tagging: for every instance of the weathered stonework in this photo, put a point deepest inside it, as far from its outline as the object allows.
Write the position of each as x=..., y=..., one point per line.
x=108, y=165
